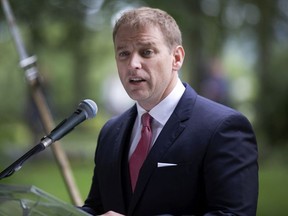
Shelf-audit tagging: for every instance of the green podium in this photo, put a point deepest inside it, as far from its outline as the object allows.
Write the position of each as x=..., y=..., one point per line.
x=30, y=201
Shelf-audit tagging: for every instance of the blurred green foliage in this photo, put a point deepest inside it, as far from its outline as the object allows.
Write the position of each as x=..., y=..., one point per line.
x=75, y=58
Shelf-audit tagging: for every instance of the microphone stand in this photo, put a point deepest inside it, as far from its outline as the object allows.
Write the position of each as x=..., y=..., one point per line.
x=28, y=64
x=18, y=163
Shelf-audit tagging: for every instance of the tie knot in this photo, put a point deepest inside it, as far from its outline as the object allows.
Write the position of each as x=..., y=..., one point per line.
x=146, y=120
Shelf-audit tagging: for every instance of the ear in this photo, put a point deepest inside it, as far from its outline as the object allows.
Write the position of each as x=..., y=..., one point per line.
x=178, y=55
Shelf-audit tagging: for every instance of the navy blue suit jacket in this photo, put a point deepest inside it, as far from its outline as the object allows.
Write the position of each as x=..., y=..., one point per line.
x=214, y=153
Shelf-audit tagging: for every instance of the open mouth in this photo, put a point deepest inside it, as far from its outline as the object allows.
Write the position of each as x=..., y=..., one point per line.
x=136, y=80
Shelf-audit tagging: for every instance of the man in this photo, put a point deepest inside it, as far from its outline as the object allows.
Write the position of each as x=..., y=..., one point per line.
x=203, y=155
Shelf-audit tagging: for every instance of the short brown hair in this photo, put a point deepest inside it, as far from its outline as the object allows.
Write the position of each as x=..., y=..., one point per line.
x=144, y=15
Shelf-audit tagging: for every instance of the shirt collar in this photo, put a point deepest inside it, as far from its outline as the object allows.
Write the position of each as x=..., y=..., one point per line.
x=162, y=111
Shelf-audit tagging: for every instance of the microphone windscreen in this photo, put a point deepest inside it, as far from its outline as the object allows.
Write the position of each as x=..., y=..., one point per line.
x=89, y=107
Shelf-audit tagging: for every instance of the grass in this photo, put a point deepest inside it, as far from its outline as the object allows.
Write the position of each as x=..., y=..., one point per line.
x=273, y=190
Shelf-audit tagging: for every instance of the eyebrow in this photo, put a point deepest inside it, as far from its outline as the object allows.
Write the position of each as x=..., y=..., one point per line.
x=149, y=43
x=141, y=44
x=120, y=47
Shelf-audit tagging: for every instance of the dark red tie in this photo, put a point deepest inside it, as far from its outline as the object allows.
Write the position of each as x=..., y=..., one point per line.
x=142, y=149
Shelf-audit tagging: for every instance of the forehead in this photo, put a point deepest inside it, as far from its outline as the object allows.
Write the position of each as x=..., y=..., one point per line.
x=140, y=35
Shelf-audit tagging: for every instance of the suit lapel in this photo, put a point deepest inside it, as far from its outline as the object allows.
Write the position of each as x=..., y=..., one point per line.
x=120, y=151
x=168, y=136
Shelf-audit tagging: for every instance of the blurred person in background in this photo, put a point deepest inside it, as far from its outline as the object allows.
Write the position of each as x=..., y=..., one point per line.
x=201, y=157
x=214, y=84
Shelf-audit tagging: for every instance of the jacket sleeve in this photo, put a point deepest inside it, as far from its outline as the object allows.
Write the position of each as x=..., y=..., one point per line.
x=231, y=169
x=93, y=203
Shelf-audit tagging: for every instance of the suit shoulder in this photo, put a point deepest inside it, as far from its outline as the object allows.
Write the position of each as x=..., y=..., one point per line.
x=216, y=114
x=117, y=120
x=209, y=106
x=204, y=111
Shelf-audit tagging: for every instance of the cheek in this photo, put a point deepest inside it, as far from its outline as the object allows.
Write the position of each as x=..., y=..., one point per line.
x=160, y=79
x=121, y=70
x=121, y=75
x=165, y=71
x=123, y=80
x=119, y=66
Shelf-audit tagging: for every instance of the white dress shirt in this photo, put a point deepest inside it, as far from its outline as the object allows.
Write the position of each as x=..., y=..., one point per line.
x=160, y=113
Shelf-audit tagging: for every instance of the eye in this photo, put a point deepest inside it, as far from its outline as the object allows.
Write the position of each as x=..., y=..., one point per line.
x=123, y=54
x=147, y=53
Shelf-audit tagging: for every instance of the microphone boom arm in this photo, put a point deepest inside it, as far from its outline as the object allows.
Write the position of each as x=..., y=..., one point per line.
x=86, y=109
x=18, y=163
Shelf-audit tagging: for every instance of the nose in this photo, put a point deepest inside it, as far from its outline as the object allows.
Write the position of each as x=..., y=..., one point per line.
x=135, y=61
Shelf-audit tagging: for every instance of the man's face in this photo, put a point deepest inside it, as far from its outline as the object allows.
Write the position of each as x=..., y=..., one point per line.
x=145, y=64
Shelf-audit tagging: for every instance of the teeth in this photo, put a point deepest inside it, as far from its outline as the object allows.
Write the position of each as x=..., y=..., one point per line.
x=136, y=79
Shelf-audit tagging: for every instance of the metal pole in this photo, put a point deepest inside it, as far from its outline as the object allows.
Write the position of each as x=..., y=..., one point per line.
x=28, y=64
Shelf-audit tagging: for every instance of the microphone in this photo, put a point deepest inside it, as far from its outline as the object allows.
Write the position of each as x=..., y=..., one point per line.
x=86, y=109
